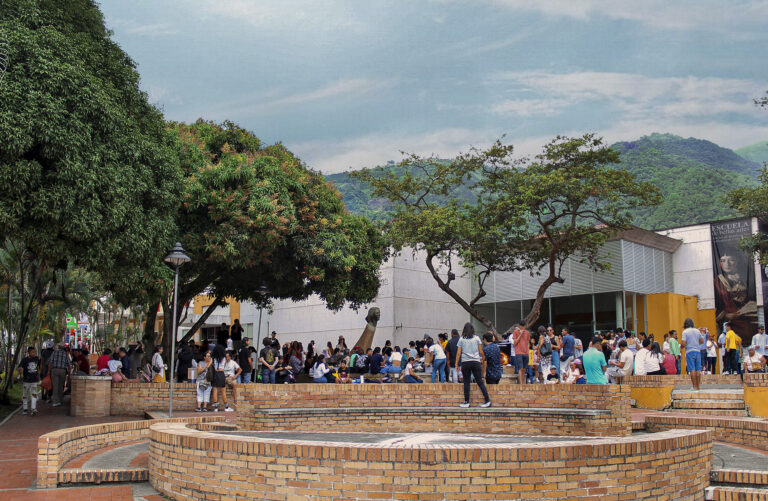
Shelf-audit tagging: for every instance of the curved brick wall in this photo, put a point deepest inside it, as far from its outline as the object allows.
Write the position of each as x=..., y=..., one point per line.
x=611, y=398
x=189, y=464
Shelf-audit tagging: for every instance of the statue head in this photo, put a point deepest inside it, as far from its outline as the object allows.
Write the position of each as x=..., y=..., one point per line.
x=373, y=315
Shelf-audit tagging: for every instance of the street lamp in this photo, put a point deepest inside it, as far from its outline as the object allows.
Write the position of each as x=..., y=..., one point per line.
x=175, y=260
x=262, y=291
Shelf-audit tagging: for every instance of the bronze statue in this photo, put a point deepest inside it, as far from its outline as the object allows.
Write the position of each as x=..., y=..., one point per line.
x=366, y=339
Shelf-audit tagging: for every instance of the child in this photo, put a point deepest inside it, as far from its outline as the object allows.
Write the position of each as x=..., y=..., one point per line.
x=410, y=375
x=343, y=373
x=552, y=377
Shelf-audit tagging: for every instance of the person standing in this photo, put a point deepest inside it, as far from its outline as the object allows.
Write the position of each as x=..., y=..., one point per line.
x=470, y=356
x=492, y=363
x=30, y=368
x=760, y=341
x=244, y=360
x=674, y=348
x=594, y=362
x=732, y=347
x=568, y=345
x=236, y=333
x=59, y=367
x=521, y=339
x=438, y=360
x=158, y=366
x=693, y=340
x=450, y=349
x=203, y=382
x=185, y=357
x=268, y=359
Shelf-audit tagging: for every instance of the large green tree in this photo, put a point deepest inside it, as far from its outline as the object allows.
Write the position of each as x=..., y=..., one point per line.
x=254, y=215
x=88, y=170
x=530, y=214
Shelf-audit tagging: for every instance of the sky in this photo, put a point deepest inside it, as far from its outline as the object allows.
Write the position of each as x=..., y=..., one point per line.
x=351, y=84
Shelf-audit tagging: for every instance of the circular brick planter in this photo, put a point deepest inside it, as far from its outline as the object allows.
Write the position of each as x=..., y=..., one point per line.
x=189, y=464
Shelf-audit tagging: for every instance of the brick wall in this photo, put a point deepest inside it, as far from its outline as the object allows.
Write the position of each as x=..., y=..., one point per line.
x=91, y=396
x=55, y=449
x=744, y=431
x=434, y=420
x=186, y=464
x=647, y=381
x=756, y=380
x=612, y=398
x=132, y=399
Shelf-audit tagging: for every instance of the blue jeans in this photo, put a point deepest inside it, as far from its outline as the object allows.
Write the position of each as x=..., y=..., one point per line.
x=320, y=380
x=268, y=376
x=677, y=364
x=438, y=368
x=411, y=379
x=556, y=362
x=244, y=378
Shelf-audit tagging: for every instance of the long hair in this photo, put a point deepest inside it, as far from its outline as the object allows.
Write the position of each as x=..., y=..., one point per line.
x=468, y=331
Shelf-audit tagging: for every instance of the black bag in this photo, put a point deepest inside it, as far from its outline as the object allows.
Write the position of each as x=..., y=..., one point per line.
x=546, y=349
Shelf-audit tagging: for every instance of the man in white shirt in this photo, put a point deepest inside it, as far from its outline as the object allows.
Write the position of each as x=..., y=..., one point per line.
x=622, y=366
x=640, y=357
x=760, y=341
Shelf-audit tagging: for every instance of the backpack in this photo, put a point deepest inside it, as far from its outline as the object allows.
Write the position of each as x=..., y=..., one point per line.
x=546, y=349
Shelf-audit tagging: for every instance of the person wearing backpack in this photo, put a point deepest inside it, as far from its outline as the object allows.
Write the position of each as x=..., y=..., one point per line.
x=268, y=359
x=244, y=361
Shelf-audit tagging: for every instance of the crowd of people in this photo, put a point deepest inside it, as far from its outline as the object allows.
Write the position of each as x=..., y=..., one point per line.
x=543, y=356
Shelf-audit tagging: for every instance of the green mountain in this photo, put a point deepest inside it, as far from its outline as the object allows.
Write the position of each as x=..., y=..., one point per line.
x=757, y=152
x=693, y=175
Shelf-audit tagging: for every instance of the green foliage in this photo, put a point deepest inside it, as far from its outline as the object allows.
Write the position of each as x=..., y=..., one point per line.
x=251, y=216
x=88, y=170
x=757, y=152
x=526, y=214
x=753, y=202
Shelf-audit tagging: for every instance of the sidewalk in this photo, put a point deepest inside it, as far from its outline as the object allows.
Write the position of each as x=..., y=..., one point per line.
x=18, y=460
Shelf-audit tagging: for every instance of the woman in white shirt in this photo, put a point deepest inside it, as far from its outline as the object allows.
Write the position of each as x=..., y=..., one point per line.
x=654, y=360
x=438, y=360
x=711, y=354
x=409, y=375
x=319, y=370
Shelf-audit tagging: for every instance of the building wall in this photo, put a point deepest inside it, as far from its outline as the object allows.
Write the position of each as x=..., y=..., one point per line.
x=667, y=311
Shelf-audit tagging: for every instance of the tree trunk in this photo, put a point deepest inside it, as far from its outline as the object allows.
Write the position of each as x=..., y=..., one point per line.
x=445, y=286
x=533, y=316
x=148, y=339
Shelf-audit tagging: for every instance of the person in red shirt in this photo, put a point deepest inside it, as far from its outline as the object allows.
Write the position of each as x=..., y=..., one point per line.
x=669, y=363
x=81, y=360
x=101, y=363
x=521, y=338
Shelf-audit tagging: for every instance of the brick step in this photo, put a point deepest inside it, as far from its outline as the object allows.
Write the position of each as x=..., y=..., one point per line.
x=102, y=475
x=708, y=395
x=708, y=404
x=739, y=478
x=726, y=493
x=711, y=412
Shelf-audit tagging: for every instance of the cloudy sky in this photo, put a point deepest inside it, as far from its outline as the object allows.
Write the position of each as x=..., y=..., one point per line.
x=351, y=83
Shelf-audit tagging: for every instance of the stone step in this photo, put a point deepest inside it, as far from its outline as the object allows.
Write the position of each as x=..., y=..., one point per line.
x=708, y=404
x=711, y=412
x=708, y=395
x=739, y=478
x=726, y=493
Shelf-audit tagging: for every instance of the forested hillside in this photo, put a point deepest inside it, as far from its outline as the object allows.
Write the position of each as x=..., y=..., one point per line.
x=693, y=174
x=757, y=152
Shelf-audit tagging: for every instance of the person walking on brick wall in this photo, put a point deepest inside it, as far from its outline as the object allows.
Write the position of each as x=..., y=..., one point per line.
x=29, y=369
x=59, y=368
x=692, y=341
x=470, y=358
x=219, y=383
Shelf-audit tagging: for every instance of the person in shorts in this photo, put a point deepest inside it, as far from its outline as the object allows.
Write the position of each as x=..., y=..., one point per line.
x=29, y=368
x=692, y=341
x=231, y=371
x=521, y=338
x=219, y=383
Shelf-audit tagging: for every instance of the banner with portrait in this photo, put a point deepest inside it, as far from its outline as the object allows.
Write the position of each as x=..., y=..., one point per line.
x=734, y=276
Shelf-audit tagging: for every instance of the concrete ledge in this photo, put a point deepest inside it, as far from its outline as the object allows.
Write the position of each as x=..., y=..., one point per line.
x=190, y=464
x=491, y=411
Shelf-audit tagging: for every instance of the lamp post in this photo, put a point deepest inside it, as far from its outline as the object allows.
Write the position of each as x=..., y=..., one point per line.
x=262, y=290
x=175, y=259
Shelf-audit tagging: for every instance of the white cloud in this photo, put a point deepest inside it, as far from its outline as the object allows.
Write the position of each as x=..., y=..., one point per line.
x=635, y=96
x=293, y=14
x=131, y=27
x=681, y=14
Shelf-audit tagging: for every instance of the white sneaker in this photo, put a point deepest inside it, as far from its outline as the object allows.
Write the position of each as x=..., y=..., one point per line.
x=464, y=405
x=486, y=404
x=228, y=409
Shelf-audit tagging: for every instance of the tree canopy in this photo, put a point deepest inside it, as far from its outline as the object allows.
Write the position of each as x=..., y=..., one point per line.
x=530, y=214
x=88, y=170
x=254, y=215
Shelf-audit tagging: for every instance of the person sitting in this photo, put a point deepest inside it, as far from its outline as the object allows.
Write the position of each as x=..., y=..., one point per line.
x=103, y=360
x=552, y=377
x=753, y=362
x=343, y=373
x=573, y=374
x=320, y=370
x=115, y=368
x=408, y=373
x=670, y=363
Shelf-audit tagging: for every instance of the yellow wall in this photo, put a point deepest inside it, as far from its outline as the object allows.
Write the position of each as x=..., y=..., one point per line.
x=756, y=398
x=657, y=398
x=667, y=311
x=202, y=302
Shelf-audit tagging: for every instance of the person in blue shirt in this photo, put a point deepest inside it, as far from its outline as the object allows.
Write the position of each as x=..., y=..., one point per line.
x=594, y=363
x=567, y=352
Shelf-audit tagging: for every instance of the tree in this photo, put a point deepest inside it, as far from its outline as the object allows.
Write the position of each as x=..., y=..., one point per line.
x=253, y=215
x=529, y=214
x=88, y=171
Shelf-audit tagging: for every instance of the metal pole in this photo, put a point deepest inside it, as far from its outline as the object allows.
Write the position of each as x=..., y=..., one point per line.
x=258, y=332
x=173, y=342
